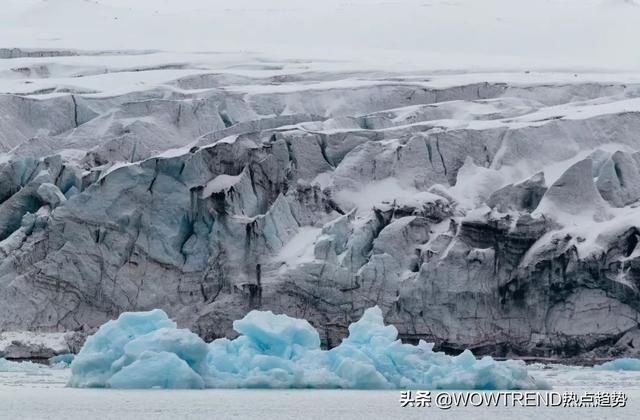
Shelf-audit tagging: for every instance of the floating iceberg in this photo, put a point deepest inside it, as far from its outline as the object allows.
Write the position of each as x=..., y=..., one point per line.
x=9, y=366
x=61, y=361
x=146, y=350
x=620, y=364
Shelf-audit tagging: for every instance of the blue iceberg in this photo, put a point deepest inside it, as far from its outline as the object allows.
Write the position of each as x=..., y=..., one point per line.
x=141, y=350
x=620, y=364
x=11, y=366
x=61, y=361
x=157, y=370
x=147, y=350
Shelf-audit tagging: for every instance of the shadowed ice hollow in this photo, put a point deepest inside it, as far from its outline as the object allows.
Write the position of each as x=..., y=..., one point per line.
x=146, y=350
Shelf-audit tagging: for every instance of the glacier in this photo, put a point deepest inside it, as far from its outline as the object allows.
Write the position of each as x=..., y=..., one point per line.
x=147, y=350
x=498, y=216
x=483, y=201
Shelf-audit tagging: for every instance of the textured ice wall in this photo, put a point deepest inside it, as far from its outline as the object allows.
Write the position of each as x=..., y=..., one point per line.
x=146, y=350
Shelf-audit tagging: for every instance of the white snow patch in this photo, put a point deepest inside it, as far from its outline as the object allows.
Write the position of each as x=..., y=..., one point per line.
x=387, y=190
x=179, y=151
x=114, y=167
x=474, y=184
x=227, y=140
x=220, y=183
x=299, y=249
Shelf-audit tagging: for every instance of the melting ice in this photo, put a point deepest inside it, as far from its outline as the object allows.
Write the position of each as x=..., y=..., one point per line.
x=147, y=350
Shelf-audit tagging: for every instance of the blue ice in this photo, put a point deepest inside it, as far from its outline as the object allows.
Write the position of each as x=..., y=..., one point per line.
x=146, y=350
x=620, y=364
x=11, y=366
x=62, y=360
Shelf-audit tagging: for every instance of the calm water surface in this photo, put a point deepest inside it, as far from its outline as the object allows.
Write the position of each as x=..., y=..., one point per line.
x=44, y=396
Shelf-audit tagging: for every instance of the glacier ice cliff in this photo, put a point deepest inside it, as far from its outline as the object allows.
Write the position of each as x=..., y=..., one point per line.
x=497, y=213
x=146, y=350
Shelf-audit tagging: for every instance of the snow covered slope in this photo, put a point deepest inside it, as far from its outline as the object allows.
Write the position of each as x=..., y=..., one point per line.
x=494, y=210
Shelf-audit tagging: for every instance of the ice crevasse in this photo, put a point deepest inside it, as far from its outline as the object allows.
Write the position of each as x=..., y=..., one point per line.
x=147, y=350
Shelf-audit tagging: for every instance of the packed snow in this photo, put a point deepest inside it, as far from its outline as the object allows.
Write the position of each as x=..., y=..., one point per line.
x=300, y=248
x=220, y=183
x=146, y=350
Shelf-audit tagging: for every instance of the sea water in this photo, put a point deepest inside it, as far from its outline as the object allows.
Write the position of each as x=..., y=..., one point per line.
x=44, y=395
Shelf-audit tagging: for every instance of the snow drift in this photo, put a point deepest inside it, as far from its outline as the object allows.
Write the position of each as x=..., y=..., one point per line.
x=146, y=350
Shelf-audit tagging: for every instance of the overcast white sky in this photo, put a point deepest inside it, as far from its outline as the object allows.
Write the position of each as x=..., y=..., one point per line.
x=454, y=33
